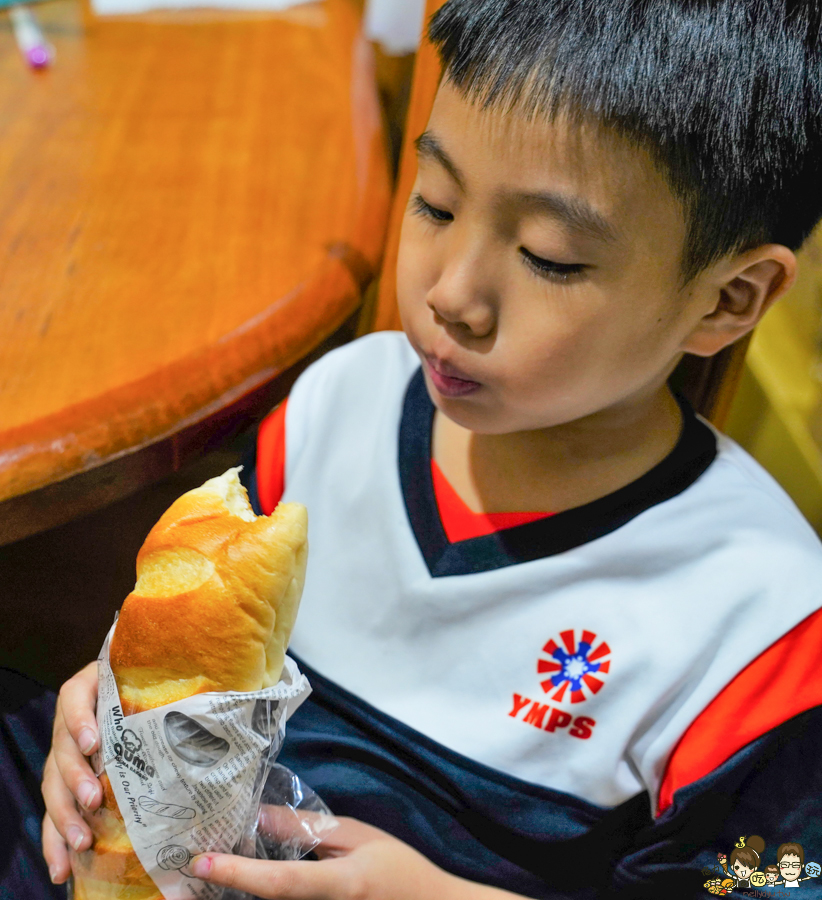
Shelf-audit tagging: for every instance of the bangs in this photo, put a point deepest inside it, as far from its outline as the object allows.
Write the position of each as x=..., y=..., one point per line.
x=725, y=95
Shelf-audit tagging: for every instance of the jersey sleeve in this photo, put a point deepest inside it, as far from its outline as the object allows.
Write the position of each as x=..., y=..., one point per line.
x=749, y=764
x=782, y=682
x=771, y=788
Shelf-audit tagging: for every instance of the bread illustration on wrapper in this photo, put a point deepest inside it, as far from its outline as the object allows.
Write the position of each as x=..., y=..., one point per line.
x=216, y=597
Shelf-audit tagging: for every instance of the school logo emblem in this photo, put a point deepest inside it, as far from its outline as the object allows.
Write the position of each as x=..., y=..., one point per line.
x=574, y=666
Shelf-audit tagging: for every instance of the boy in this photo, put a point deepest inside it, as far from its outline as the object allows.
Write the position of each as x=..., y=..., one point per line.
x=562, y=636
x=771, y=874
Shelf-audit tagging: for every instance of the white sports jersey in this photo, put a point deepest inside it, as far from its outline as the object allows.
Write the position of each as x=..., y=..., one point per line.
x=573, y=652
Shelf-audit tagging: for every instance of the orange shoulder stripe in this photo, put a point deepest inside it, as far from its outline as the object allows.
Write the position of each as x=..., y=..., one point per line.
x=783, y=681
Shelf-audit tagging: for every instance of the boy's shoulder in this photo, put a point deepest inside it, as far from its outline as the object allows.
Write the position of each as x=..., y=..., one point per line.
x=751, y=506
x=373, y=358
x=342, y=390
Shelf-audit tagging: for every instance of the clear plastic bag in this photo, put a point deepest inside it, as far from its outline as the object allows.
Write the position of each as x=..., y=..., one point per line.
x=291, y=821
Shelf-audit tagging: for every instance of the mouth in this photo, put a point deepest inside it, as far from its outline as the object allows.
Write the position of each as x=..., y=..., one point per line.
x=449, y=381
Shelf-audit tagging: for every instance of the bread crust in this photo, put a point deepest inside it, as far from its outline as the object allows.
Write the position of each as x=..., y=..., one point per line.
x=216, y=597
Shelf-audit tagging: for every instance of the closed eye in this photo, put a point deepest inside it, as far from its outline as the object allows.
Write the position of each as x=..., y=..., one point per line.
x=547, y=268
x=421, y=207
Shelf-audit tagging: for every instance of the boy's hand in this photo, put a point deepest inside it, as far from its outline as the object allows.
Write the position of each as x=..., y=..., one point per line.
x=356, y=861
x=67, y=774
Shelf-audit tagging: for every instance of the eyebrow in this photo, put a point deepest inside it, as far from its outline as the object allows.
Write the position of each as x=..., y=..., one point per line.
x=428, y=147
x=574, y=213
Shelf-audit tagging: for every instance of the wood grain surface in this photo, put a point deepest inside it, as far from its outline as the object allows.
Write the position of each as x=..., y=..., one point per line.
x=190, y=203
x=710, y=384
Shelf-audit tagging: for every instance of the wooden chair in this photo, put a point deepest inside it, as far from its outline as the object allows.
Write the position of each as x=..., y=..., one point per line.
x=709, y=384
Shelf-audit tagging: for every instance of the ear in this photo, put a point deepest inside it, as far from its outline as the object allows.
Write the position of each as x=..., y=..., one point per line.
x=739, y=290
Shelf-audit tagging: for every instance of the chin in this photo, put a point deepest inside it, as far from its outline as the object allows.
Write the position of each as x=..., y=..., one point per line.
x=465, y=413
x=473, y=416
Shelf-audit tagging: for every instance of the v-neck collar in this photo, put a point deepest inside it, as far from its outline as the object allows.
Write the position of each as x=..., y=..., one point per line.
x=694, y=452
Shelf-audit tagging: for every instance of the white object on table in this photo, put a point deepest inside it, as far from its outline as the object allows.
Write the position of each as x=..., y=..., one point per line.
x=396, y=24
x=35, y=48
x=130, y=7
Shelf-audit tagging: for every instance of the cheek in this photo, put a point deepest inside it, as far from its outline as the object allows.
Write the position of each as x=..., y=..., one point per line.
x=416, y=271
x=563, y=337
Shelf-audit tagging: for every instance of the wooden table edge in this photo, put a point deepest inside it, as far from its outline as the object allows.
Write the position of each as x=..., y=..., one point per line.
x=89, y=486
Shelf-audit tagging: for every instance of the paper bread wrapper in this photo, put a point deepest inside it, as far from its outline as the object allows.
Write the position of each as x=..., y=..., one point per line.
x=184, y=775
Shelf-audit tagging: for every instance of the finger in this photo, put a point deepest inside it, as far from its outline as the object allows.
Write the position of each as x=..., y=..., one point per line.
x=284, y=824
x=73, y=769
x=78, y=702
x=338, y=835
x=281, y=880
x=350, y=834
x=55, y=852
x=62, y=811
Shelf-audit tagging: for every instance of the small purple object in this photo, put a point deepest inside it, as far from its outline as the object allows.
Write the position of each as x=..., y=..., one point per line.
x=38, y=57
x=34, y=47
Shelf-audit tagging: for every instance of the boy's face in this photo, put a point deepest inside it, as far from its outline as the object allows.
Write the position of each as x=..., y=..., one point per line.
x=539, y=270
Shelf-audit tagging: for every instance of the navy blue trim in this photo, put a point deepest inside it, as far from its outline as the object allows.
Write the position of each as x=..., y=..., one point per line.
x=694, y=452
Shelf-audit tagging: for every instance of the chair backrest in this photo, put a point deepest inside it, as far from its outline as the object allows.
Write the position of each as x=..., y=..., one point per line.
x=709, y=384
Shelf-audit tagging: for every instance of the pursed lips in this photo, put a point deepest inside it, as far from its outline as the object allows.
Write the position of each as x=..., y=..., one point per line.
x=447, y=379
x=447, y=369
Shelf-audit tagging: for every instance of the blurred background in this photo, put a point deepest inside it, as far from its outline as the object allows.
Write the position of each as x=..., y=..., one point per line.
x=194, y=204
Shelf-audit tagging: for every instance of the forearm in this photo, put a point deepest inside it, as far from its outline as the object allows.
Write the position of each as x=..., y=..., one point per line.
x=356, y=860
x=462, y=889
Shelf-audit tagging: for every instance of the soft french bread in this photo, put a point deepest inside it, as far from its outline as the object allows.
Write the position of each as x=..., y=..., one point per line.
x=215, y=600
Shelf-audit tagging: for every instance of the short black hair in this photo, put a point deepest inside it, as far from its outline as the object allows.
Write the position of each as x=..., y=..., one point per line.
x=726, y=95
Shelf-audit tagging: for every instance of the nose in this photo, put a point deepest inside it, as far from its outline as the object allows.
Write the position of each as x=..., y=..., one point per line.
x=463, y=297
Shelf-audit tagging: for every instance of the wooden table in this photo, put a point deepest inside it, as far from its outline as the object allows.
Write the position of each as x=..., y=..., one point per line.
x=190, y=205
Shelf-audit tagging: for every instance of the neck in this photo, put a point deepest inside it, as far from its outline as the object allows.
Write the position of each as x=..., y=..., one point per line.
x=561, y=467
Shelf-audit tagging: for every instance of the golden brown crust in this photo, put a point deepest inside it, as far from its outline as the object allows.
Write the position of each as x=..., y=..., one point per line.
x=216, y=597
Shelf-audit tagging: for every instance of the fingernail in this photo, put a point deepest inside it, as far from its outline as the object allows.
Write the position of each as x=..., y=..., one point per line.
x=86, y=794
x=54, y=874
x=88, y=740
x=200, y=866
x=74, y=836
